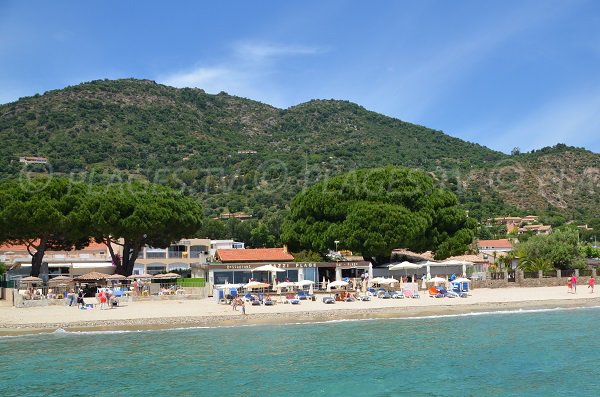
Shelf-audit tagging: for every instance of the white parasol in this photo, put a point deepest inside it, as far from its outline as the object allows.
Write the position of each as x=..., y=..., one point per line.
x=437, y=280
x=255, y=284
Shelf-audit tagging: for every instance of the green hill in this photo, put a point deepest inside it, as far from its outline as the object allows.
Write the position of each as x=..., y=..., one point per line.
x=241, y=155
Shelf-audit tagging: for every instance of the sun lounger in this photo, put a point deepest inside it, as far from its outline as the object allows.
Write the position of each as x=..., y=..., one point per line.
x=452, y=294
x=397, y=295
x=328, y=300
x=435, y=293
x=364, y=297
x=302, y=295
x=90, y=302
x=383, y=294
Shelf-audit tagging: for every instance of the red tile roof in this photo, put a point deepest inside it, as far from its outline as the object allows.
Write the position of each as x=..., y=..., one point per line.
x=502, y=243
x=22, y=247
x=253, y=255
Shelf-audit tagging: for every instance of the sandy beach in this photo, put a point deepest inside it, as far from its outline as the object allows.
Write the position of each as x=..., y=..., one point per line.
x=207, y=312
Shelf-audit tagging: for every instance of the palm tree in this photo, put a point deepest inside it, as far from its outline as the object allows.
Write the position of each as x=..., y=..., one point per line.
x=535, y=264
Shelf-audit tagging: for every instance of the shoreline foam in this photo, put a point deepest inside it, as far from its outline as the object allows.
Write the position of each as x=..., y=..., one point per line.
x=286, y=315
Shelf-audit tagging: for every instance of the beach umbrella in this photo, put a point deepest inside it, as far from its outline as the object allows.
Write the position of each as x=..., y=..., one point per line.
x=338, y=283
x=286, y=284
x=311, y=290
x=437, y=280
x=255, y=284
x=31, y=279
x=405, y=266
x=462, y=280
x=389, y=281
x=167, y=276
x=61, y=281
x=268, y=269
x=116, y=277
x=92, y=276
x=377, y=280
x=143, y=276
x=304, y=283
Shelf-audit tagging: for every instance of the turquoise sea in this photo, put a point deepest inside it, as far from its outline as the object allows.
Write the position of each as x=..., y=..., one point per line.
x=529, y=353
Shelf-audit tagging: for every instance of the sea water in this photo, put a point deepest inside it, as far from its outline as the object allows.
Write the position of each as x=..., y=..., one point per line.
x=529, y=353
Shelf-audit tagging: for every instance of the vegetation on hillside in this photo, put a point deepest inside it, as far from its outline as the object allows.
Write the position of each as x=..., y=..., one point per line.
x=235, y=154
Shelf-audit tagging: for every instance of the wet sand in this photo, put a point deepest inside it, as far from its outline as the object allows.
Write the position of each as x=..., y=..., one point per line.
x=208, y=313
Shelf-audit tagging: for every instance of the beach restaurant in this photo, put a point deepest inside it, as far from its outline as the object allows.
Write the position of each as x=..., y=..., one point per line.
x=235, y=266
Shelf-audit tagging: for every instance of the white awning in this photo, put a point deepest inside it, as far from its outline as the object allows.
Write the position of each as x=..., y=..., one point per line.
x=91, y=265
x=74, y=265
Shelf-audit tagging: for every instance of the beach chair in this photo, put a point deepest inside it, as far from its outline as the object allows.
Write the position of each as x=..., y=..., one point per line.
x=328, y=300
x=396, y=294
x=452, y=294
x=416, y=294
x=291, y=298
x=364, y=297
x=90, y=303
x=383, y=294
x=302, y=295
x=248, y=297
x=434, y=293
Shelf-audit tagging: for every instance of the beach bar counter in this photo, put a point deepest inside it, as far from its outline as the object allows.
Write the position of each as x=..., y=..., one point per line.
x=234, y=266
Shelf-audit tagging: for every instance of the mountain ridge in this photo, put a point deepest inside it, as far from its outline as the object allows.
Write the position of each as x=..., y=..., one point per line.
x=233, y=152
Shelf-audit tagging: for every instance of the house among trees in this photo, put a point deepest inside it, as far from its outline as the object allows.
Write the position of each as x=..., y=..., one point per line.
x=33, y=160
x=520, y=225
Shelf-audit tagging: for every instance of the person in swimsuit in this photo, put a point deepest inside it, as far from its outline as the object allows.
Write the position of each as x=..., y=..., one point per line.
x=591, y=283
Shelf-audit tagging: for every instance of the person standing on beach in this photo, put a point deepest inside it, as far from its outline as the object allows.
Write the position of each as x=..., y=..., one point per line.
x=243, y=304
x=574, y=283
x=569, y=285
x=591, y=283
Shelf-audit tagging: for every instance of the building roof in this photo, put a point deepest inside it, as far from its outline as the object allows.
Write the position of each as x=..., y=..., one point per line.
x=423, y=256
x=23, y=247
x=501, y=243
x=469, y=258
x=253, y=255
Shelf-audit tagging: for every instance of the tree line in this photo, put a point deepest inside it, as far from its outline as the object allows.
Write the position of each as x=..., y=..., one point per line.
x=55, y=213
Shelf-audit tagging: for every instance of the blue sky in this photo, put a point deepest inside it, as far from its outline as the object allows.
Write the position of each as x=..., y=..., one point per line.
x=500, y=73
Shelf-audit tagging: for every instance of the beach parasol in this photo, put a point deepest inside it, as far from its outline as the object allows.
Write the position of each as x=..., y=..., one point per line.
x=390, y=280
x=337, y=284
x=462, y=280
x=286, y=284
x=167, y=276
x=143, y=276
x=255, y=284
x=437, y=280
x=31, y=280
x=405, y=266
x=92, y=276
x=60, y=280
x=377, y=280
x=304, y=283
x=116, y=277
x=268, y=268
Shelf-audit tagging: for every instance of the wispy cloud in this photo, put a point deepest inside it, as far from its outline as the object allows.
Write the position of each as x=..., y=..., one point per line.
x=258, y=52
x=244, y=71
